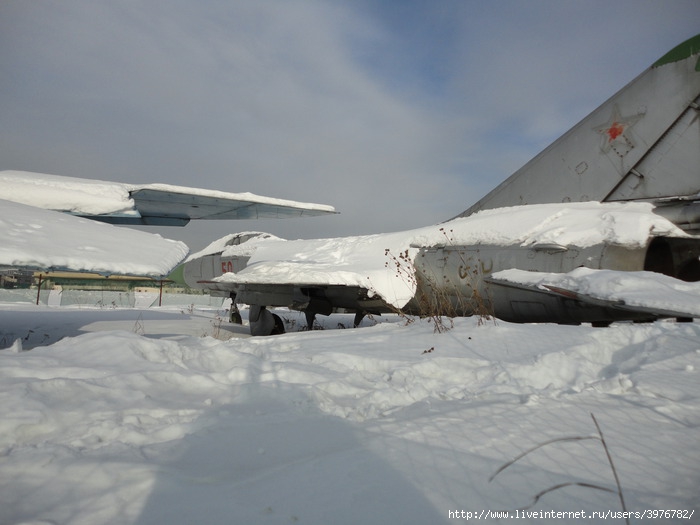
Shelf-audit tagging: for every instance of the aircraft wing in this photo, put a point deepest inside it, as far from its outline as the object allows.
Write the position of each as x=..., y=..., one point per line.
x=148, y=204
x=350, y=272
x=641, y=292
x=41, y=239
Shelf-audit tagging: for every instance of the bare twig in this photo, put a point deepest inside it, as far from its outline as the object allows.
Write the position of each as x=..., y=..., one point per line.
x=522, y=455
x=561, y=486
x=600, y=438
x=612, y=467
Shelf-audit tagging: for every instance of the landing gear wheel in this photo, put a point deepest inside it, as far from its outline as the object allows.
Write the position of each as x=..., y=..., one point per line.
x=279, y=325
x=235, y=316
x=263, y=322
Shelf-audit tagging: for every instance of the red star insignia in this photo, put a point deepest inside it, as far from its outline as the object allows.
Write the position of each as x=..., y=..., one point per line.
x=616, y=134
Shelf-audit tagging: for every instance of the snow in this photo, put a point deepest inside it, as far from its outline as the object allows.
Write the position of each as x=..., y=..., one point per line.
x=42, y=239
x=96, y=197
x=133, y=422
x=92, y=197
x=362, y=261
x=580, y=224
x=648, y=290
x=351, y=261
x=171, y=415
x=231, y=245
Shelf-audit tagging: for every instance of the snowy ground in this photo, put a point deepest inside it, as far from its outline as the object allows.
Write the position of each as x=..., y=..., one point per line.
x=169, y=415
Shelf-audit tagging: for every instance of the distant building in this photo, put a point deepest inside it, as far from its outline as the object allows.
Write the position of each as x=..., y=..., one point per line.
x=14, y=278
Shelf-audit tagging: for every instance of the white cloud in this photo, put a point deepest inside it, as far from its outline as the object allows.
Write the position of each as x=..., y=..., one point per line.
x=398, y=118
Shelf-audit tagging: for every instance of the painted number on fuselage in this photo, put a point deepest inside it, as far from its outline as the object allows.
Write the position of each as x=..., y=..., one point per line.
x=226, y=266
x=464, y=270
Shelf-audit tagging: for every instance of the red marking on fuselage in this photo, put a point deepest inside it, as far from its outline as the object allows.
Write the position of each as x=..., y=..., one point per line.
x=226, y=266
x=615, y=131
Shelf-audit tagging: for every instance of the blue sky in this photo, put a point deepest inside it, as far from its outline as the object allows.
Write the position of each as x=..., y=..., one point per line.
x=399, y=113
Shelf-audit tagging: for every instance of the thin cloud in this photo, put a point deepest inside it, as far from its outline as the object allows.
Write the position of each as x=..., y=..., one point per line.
x=399, y=115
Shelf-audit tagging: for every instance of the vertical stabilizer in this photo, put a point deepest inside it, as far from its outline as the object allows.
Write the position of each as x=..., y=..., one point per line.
x=642, y=143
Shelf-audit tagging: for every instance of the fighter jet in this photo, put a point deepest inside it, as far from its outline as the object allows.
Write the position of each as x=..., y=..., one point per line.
x=47, y=222
x=588, y=231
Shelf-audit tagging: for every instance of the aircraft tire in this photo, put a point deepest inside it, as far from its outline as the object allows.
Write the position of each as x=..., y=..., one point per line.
x=263, y=322
x=279, y=325
x=235, y=317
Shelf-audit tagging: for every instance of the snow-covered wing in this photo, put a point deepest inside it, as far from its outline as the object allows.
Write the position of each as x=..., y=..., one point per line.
x=46, y=240
x=643, y=292
x=154, y=204
x=354, y=263
x=176, y=202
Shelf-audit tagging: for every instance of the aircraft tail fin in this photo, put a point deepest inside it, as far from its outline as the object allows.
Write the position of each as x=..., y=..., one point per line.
x=641, y=144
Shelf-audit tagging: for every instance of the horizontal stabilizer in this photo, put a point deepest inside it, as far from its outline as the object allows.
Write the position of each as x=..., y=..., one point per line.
x=642, y=292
